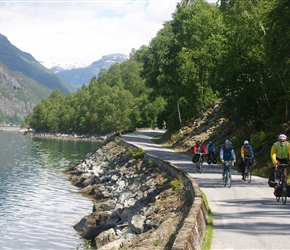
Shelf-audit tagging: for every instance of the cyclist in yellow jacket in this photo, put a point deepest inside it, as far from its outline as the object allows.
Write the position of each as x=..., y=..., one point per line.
x=246, y=151
x=280, y=153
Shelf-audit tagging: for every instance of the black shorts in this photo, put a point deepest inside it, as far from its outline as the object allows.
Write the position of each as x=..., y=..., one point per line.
x=195, y=158
x=282, y=161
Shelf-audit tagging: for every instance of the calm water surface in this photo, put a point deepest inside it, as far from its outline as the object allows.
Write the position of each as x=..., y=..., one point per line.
x=38, y=204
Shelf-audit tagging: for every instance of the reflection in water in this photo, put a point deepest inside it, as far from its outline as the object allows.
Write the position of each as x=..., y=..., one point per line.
x=38, y=205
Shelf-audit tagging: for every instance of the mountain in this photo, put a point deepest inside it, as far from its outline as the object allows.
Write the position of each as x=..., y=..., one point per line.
x=24, y=82
x=77, y=76
x=18, y=61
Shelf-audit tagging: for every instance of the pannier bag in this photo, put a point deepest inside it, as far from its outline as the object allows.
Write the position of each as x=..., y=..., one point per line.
x=278, y=190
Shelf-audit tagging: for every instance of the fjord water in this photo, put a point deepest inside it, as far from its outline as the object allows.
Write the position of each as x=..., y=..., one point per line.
x=38, y=204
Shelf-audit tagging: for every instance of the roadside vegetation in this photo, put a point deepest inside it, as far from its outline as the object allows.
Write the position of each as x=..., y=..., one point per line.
x=234, y=51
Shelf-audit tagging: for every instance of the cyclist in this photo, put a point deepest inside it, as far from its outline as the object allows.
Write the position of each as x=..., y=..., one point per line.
x=246, y=151
x=280, y=153
x=227, y=154
x=210, y=149
x=198, y=148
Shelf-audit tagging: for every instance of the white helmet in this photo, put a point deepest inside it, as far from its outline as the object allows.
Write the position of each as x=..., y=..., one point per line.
x=282, y=137
x=246, y=142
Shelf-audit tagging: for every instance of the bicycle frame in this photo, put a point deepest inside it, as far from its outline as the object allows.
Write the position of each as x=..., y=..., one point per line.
x=283, y=182
x=200, y=161
x=227, y=178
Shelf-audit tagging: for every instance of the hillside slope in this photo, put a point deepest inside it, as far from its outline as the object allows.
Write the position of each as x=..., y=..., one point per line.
x=18, y=61
x=24, y=82
x=213, y=126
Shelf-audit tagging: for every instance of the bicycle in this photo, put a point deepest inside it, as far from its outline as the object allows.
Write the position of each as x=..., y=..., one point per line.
x=282, y=184
x=199, y=164
x=227, y=177
x=247, y=173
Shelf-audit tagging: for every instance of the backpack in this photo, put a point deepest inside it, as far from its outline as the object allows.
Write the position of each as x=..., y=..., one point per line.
x=271, y=179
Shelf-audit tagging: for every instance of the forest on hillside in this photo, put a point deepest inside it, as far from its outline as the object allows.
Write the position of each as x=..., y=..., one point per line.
x=236, y=51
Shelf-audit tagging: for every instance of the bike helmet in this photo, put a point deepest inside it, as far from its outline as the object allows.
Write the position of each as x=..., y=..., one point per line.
x=246, y=142
x=228, y=143
x=282, y=137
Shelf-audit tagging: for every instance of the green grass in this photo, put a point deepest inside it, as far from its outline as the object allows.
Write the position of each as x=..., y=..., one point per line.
x=206, y=245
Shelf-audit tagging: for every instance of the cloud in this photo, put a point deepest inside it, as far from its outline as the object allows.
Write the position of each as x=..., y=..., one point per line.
x=82, y=31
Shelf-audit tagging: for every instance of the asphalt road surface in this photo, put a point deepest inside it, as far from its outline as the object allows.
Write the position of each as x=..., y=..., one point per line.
x=246, y=216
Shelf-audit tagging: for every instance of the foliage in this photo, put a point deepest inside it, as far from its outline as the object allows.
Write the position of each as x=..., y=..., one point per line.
x=139, y=154
x=177, y=184
x=257, y=138
x=85, y=245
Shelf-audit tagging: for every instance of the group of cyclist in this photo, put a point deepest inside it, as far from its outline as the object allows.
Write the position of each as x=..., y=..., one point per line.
x=280, y=152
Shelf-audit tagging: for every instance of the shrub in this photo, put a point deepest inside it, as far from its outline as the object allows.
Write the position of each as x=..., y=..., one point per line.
x=139, y=154
x=177, y=184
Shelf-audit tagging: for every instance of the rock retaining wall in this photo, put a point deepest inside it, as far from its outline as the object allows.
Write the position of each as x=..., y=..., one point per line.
x=193, y=230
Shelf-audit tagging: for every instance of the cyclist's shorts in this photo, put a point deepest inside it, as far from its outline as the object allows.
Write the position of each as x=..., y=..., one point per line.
x=195, y=158
x=282, y=161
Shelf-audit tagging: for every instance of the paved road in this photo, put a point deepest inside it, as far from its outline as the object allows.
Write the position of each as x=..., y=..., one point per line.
x=246, y=216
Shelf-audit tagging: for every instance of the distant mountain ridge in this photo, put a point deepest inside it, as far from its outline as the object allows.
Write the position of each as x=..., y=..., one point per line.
x=24, y=82
x=77, y=76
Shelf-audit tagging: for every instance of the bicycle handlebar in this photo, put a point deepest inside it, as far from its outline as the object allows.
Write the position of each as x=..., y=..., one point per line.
x=231, y=162
x=283, y=165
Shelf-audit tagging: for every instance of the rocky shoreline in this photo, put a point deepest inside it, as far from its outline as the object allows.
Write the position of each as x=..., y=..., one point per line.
x=134, y=207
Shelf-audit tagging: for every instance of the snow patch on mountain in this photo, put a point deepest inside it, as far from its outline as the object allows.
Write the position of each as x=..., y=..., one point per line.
x=67, y=66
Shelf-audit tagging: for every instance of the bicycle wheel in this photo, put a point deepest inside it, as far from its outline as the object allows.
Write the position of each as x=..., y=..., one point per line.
x=200, y=167
x=249, y=175
x=225, y=179
x=284, y=191
x=229, y=178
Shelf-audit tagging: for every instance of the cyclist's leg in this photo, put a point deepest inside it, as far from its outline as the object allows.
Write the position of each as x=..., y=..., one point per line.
x=285, y=173
x=249, y=172
x=224, y=168
x=284, y=190
x=243, y=170
x=196, y=159
x=276, y=173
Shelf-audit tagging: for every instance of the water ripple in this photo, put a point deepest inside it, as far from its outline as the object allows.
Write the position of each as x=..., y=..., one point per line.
x=38, y=205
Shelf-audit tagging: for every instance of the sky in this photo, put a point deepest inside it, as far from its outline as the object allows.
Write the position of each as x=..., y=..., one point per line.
x=81, y=32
